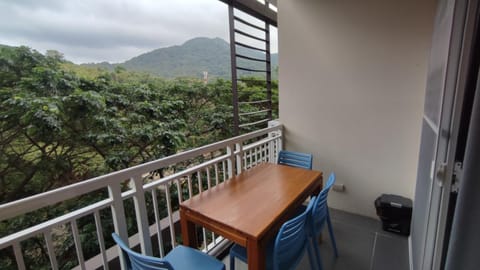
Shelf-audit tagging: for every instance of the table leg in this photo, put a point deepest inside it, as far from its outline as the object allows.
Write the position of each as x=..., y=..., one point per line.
x=188, y=231
x=255, y=255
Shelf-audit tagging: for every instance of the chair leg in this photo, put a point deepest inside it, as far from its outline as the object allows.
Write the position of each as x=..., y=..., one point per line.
x=312, y=255
x=317, y=253
x=332, y=237
x=232, y=262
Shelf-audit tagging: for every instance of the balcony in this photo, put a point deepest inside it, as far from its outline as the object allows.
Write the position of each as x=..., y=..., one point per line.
x=353, y=78
x=149, y=200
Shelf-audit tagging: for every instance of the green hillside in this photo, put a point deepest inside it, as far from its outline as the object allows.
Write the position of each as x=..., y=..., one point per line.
x=190, y=59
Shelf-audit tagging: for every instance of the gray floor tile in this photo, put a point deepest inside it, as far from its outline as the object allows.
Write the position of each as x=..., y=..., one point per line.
x=390, y=252
x=361, y=245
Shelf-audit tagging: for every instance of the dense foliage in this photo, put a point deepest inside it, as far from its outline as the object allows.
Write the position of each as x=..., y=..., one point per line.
x=62, y=123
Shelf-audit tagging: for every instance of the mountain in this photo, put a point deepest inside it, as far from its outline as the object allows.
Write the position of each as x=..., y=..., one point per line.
x=190, y=59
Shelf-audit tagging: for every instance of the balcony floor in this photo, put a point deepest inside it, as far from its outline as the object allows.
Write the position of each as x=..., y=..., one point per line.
x=362, y=245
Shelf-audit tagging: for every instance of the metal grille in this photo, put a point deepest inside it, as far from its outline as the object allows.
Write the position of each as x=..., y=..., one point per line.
x=251, y=71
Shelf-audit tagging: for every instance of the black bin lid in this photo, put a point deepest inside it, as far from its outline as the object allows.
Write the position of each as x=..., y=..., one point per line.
x=394, y=201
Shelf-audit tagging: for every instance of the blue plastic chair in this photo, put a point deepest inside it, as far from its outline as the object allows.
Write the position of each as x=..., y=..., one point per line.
x=320, y=215
x=288, y=248
x=295, y=159
x=180, y=258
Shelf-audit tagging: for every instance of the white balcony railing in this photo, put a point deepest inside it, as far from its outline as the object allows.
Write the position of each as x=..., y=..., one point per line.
x=155, y=187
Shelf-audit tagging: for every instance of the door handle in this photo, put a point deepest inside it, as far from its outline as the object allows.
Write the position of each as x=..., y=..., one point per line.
x=441, y=174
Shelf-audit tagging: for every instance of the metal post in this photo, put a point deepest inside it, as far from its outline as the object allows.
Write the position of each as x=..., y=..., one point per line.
x=233, y=63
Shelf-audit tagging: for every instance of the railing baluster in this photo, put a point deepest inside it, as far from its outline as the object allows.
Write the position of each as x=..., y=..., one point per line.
x=245, y=160
x=101, y=240
x=199, y=180
x=216, y=173
x=157, y=222
x=214, y=238
x=141, y=215
x=209, y=184
x=239, y=150
x=50, y=249
x=190, y=187
x=231, y=161
x=179, y=191
x=224, y=171
x=170, y=215
x=119, y=221
x=205, y=242
x=17, y=250
x=78, y=244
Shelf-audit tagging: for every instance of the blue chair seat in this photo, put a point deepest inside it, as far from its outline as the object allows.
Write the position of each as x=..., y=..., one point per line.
x=180, y=258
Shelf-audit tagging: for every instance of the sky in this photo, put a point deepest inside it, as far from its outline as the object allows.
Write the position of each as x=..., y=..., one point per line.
x=88, y=31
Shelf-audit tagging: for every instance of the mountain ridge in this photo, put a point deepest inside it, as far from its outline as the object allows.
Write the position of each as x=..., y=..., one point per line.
x=190, y=59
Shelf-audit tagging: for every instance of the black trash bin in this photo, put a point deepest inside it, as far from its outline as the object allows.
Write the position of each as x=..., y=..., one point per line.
x=395, y=212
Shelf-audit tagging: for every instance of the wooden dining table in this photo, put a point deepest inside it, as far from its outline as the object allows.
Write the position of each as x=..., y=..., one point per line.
x=250, y=208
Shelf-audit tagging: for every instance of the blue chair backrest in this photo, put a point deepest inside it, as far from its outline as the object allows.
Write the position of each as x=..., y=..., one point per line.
x=320, y=207
x=291, y=241
x=295, y=159
x=137, y=261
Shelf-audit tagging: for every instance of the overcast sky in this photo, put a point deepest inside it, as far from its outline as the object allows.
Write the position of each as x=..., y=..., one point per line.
x=109, y=30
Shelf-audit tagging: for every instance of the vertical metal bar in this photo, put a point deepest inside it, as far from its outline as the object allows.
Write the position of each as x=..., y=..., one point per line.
x=205, y=239
x=158, y=222
x=170, y=216
x=17, y=250
x=239, y=149
x=245, y=160
x=101, y=240
x=141, y=215
x=179, y=191
x=268, y=66
x=233, y=63
x=216, y=173
x=230, y=161
x=190, y=187
x=208, y=178
x=214, y=238
x=78, y=244
x=119, y=221
x=50, y=249
x=224, y=171
x=199, y=180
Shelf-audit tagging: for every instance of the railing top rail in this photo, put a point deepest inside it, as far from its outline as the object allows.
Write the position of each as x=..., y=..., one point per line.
x=51, y=197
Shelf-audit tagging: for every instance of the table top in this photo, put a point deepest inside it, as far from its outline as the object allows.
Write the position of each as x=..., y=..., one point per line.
x=252, y=202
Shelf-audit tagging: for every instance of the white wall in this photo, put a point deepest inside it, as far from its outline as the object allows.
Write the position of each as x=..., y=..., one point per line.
x=352, y=81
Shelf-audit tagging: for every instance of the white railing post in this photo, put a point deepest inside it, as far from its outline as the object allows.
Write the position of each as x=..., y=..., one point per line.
x=141, y=215
x=230, y=161
x=17, y=249
x=119, y=221
x=274, y=146
x=239, y=157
